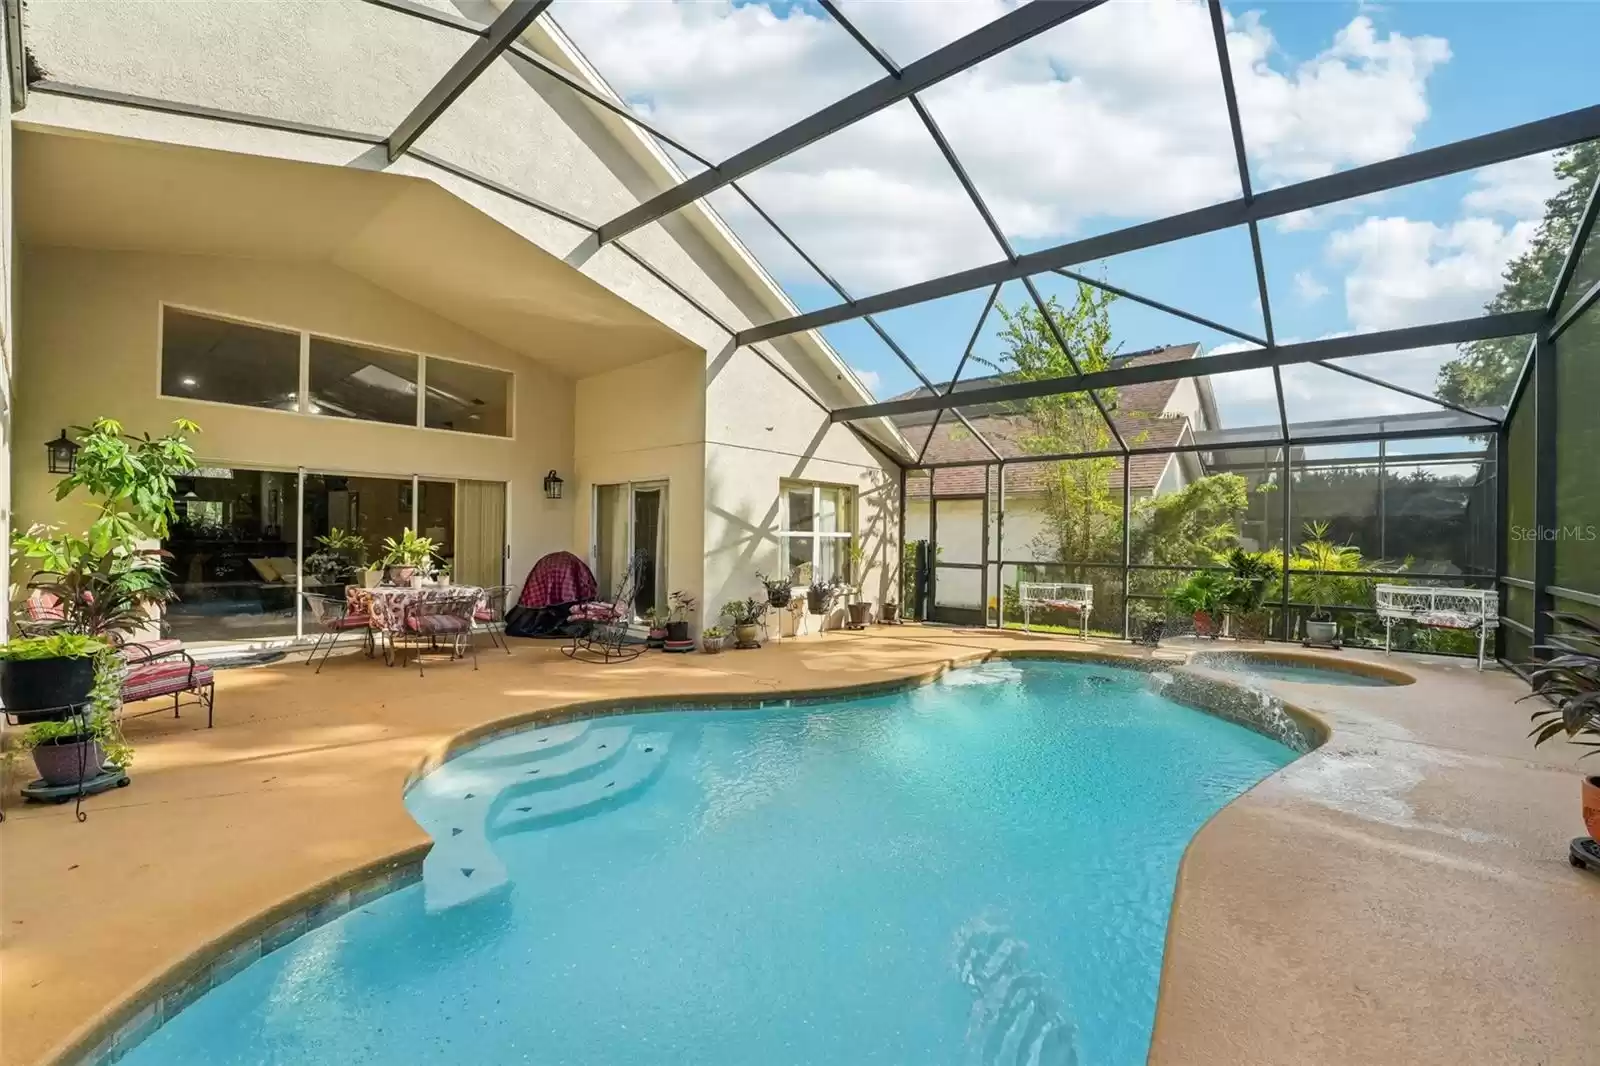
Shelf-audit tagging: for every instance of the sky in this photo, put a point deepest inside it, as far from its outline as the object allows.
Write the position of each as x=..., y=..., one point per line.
x=1113, y=118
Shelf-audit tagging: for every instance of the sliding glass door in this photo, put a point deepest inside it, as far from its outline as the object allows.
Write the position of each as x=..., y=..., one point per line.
x=232, y=555
x=630, y=518
x=246, y=542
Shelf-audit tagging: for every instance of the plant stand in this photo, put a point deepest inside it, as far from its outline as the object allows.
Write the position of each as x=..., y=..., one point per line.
x=104, y=779
x=678, y=647
x=1585, y=854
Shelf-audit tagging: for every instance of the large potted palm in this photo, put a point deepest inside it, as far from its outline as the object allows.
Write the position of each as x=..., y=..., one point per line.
x=1570, y=683
x=1322, y=560
x=65, y=676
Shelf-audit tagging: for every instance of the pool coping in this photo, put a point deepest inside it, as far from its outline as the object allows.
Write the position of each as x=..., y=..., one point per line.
x=116, y=1029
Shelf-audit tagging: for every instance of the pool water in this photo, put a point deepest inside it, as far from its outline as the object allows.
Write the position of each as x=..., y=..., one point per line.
x=1284, y=671
x=978, y=870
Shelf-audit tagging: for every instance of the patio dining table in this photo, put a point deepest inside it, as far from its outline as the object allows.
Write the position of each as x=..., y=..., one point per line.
x=388, y=605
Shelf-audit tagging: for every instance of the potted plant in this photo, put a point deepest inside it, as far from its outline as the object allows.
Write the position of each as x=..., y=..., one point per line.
x=1149, y=625
x=680, y=605
x=860, y=611
x=39, y=676
x=1571, y=683
x=889, y=614
x=780, y=590
x=442, y=574
x=1200, y=598
x=1251, y=572
x=106, y=581
x=406, y=558
x=745, y=617
x=69, y=749
x=819, y=597
x=338, y=557
x=656, y=636
x=1322, y=560
x=711, y=639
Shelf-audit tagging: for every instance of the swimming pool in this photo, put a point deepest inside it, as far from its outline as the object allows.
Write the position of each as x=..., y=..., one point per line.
x=975, y=870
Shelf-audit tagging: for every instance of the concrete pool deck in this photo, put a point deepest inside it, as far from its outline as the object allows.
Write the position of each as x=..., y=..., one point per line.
x=1400, y=895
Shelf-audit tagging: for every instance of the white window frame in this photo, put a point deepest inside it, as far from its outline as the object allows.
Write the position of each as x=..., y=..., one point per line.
x=786, y=534
x=303, y=398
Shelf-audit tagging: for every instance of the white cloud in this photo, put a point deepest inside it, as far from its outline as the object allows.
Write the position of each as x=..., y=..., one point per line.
x=1518, y=188
x=1308, y=287
x=869, y=378
x=1115, y=115
x=1403, y=272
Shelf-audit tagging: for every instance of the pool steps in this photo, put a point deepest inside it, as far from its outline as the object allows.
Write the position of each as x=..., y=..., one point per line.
x=531, y=780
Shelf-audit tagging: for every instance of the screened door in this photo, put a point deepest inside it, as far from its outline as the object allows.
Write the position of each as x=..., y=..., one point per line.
x=958, y=538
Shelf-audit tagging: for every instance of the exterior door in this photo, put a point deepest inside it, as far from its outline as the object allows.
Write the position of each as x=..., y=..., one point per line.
x=958, y=535
x=480, y=548
x=629, y=518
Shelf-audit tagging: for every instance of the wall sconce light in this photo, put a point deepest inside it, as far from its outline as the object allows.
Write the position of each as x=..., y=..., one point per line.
x=63, y=453
x=552, y=486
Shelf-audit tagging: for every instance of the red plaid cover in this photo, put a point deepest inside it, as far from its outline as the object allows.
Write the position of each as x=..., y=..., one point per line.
x=559, y=577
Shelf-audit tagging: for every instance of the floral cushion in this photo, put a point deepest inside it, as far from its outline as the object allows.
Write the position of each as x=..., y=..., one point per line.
x=164, y=678
x=436, y=623
x=593, y=612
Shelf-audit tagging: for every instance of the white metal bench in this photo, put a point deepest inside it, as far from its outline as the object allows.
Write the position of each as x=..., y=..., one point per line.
x=1056, y=596
x=1439, y=608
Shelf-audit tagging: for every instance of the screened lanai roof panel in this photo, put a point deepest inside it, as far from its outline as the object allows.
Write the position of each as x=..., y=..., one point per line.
x=1487, y=240
x=718, y=76
x=1113, y=117
x=875, y=204
x=341, y=64
x=1328, y=87
x=1479, y=376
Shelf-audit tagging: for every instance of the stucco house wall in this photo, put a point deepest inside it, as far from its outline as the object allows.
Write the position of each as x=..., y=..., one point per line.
x=697, y=419
x=89, y=346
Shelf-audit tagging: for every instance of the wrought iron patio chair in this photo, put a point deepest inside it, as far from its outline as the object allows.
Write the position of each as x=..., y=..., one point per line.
x=442, y=618
x=601, y=629
x=490, y=616
x=333, y=619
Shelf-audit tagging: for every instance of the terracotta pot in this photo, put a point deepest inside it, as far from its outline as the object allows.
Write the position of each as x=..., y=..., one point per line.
x=400, y=575
x=1203, y=624
x=61, y=762
x=1591, y=806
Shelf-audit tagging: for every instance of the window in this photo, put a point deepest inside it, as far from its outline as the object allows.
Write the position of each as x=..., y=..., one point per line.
x=204, y=358
x=215, y=359
x=349, y=381
x=816, y=531
x=468, y=399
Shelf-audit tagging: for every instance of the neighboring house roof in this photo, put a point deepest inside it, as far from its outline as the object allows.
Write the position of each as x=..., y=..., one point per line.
x=1140, y=415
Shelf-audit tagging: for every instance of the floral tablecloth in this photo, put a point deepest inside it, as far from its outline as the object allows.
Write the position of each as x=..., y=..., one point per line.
x=388, y=605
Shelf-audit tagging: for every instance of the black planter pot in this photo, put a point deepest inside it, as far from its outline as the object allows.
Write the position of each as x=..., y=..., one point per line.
x=1151, y=632
x=677, y=631
x=34, y=690
x=860, y=614
x=889, y=612
x=816, y=604
x=778, y=597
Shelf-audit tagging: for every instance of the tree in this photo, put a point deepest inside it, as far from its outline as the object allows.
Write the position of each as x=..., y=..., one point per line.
x=1083, y=514
x=1484, y=371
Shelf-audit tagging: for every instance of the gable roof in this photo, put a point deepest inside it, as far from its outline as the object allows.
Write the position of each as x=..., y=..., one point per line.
x=1138, y=417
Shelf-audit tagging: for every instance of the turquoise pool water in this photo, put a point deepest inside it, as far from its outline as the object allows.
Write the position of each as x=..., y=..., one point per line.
x=1284, y=671
x=977, y=871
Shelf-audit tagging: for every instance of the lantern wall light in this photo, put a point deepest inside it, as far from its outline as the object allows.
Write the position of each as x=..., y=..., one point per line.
x=552, y=486
x=63, y=454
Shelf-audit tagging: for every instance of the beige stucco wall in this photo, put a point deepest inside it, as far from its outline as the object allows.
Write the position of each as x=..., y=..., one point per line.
x=761, y=430
x=645, y=422
x=88, y=348
x=8, y=283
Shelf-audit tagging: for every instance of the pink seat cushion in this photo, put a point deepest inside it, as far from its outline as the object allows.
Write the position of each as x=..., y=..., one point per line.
x=593, y=612
x=483, y=614
x=144, y=651
x=350, y=621
x=436, y=623
x=164, y=678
